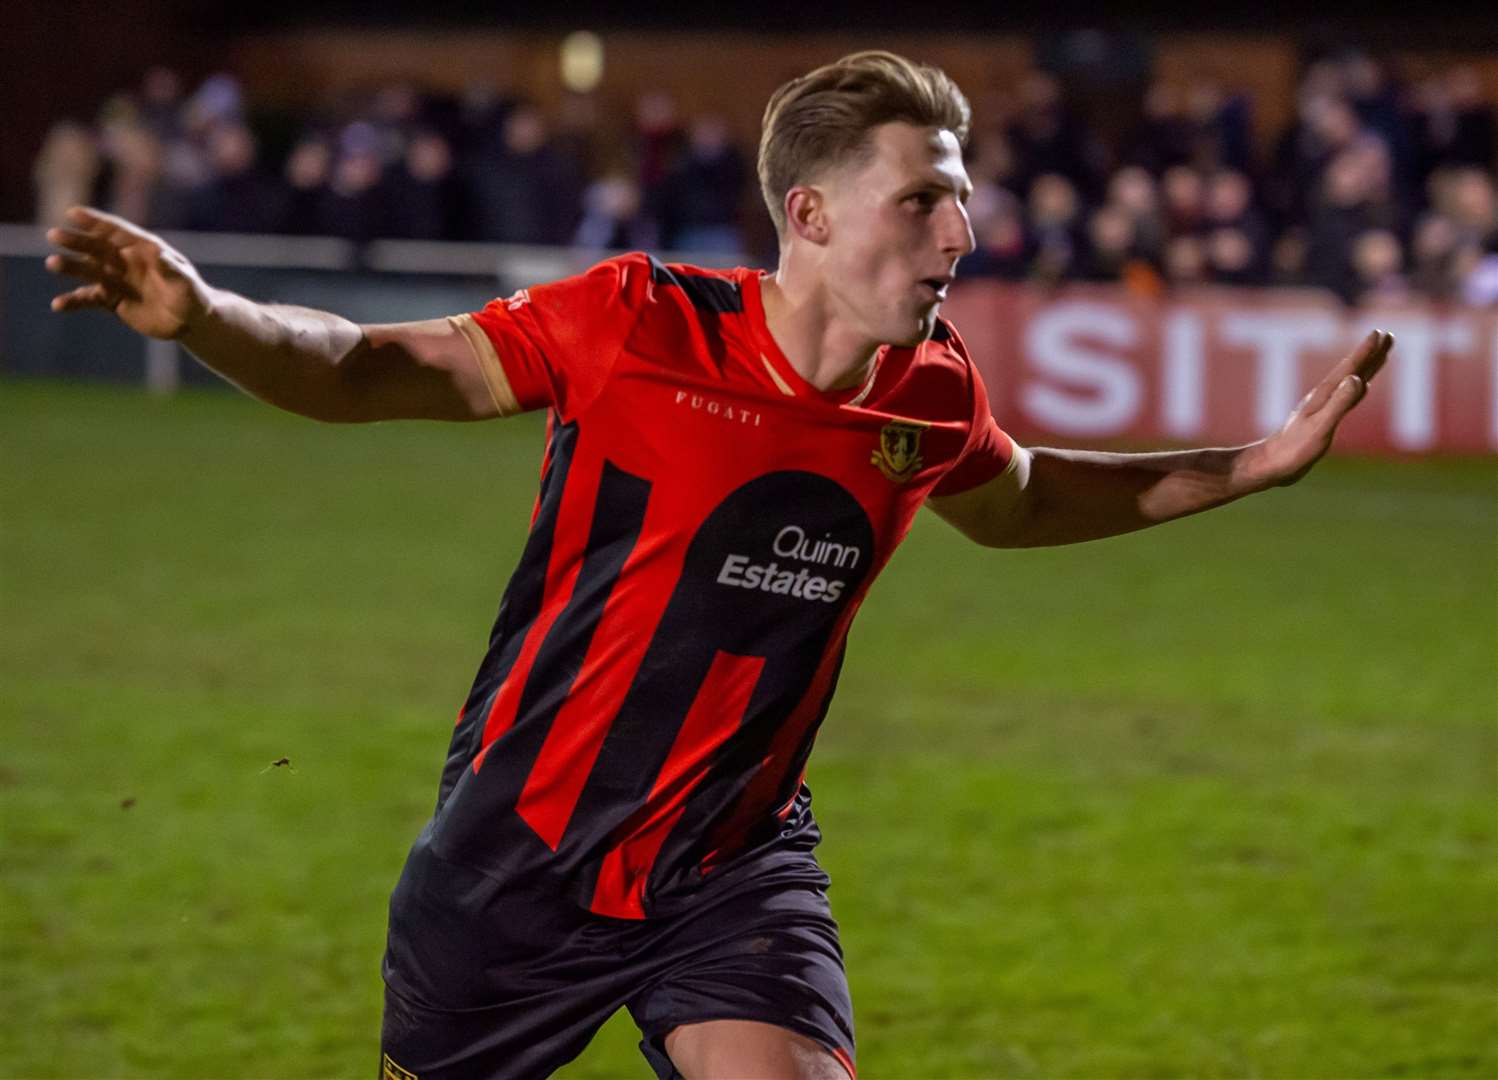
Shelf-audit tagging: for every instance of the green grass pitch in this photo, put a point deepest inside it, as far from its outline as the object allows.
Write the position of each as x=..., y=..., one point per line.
x=1212, y=800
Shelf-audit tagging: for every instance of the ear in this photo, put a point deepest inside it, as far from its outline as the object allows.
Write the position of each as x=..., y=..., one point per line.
x=806, y=214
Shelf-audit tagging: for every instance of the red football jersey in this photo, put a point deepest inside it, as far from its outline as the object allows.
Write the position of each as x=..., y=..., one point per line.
x=707, y=525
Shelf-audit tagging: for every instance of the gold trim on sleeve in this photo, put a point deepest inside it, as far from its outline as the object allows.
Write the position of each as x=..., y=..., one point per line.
x=488, y=362
x=1017, y=472
x=1015, y=451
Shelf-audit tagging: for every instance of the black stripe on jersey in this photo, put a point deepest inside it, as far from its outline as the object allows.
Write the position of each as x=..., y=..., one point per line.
x=517, y=610
x=941, y=331
x=618, y=516
x=719, y=795
x=706, y=293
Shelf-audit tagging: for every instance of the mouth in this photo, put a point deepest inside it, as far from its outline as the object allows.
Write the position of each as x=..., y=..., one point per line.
x=937, y=286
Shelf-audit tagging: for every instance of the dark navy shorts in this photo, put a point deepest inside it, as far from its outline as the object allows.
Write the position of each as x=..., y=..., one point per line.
x=489, y=979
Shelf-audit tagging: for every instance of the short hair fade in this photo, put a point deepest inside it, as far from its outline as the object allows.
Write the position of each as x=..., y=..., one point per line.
x=823, y=118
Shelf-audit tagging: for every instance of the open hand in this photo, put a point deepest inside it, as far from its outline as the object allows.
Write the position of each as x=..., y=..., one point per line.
x=149, y=285
x=1289, y=453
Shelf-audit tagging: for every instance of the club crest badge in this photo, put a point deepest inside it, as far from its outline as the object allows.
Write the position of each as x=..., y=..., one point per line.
x=899, y=453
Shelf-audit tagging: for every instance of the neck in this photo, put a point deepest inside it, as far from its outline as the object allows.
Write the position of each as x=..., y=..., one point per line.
x=824, y=350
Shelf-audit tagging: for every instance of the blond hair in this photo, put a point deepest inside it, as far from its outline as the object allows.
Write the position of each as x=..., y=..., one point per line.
x=823, y=118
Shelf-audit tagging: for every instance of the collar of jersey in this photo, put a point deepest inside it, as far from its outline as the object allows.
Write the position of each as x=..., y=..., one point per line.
x=785, y=376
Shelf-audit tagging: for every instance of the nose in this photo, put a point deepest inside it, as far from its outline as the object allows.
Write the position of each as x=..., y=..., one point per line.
x=957, y=236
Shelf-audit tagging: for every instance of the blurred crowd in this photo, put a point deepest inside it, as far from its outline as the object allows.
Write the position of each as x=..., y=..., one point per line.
x=398, y=163
x=1378, y=189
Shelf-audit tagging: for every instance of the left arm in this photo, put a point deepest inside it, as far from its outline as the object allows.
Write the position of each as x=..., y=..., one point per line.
x=1067, y=496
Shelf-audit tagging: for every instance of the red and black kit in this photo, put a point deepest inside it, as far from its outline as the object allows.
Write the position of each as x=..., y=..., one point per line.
x=708, y=523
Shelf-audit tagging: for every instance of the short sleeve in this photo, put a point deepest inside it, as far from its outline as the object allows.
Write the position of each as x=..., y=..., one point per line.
x=989, y=451
x=553, y=345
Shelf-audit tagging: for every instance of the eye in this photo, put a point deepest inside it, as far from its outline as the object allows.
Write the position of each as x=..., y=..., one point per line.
x=923, y=201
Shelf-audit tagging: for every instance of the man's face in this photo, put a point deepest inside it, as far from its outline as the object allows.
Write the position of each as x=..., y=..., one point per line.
x=896, y=226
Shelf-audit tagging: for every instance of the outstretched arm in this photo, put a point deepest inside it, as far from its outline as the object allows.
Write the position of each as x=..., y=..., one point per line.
x=308, y=362
x=1066, y=496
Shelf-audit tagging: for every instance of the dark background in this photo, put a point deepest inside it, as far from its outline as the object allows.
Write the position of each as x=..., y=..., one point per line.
x=60, y=58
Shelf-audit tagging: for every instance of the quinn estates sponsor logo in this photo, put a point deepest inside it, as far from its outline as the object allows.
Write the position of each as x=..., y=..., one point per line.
x=794, y=544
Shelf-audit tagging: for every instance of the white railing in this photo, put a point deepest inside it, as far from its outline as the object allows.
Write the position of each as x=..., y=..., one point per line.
x=510, y=265
x=511, y=262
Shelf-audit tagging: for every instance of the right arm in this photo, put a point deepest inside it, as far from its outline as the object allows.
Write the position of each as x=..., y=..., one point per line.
x=308, y=362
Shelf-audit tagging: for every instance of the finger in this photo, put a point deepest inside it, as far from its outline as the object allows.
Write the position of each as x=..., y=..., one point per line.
x=89, y=269
x=1376, y=359
x=1368, y=356
x=86, y=296
x=98, y=223
x=80, y=266
x=1348, y=393
x=85, y=243
x=86, y=219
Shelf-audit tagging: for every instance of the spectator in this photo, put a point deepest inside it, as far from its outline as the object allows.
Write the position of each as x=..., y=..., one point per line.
x=1228, y=199
x=1183, y=192
x=527, y=192
x=481, y=113
x=65, y=171
x=1231, y=257
x=1287, y=258
x=1378, y=267
x=353, y=205
x=658, y=140
x=1238, y=239
x=239, y=196
x=991, y=160
x=611, y=216
x=219, y=101
x=1219, y=127
x=309, y=166
x=161, y=102
x=1049, y=139
x=1110, y=245
x=1054, y=213
x=1113, y=254
x=188, y=168
x=135, y=157
x=1164, y=137
x=1352, y=198
x=580, y=135
x=998, y=222
x=1455, y=240
x=392, y=115
x=1374, y=98
x=1134, y=190
x=1480, y=286
x=1185, y=261
x=1466, y=195
x=1433, y=257
x=699, y=196
x=422, y=192
x=1325, y=126
x=1454, y=122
